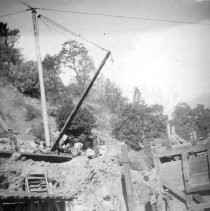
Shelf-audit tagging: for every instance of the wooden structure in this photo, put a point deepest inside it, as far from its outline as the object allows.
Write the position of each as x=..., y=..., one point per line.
x=126, y=180
x=79, y=104
x=184, y=171
x=22, y=201
x=53, y=158
x=36, y=183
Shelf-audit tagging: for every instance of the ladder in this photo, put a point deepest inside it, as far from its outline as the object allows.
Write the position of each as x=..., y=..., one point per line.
x=36, y=183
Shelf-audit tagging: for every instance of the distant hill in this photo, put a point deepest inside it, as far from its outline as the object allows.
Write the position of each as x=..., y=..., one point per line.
x=203, y=99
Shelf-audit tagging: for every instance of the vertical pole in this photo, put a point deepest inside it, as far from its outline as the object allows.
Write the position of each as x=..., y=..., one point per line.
x=41, y=81
x=127, y=175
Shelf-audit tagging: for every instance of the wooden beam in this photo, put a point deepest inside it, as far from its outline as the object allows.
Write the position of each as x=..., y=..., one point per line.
x=199, y=198
x=181, y=194
x=127, y=175
x=173, y=189
x=197, y=207
x=160, y=181
x=197, y=148
x=208, y=151
x=4, y=195
x=74, y=112
x=56, y=205
x=1, y=207
x=186, y=174
x=31, y=205
x=198, y=188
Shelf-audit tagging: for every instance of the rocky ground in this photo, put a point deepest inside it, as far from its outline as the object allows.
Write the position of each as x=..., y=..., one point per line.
x=93, y=184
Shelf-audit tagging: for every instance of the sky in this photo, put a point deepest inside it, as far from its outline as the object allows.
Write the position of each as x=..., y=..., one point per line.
x=168, y=61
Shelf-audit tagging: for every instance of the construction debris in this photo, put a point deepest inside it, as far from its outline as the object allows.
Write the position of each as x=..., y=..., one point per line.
x=92, y=184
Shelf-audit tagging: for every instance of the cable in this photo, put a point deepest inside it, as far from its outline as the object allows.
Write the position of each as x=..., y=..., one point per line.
x=13, y=13
x=27, y=5
x=125, y=17
x=71, y=32
x=46, y=25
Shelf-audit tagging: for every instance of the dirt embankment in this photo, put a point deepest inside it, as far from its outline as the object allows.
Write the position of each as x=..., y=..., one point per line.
x=91, y=183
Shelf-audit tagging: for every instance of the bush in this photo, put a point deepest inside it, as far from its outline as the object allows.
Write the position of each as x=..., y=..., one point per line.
x=26, y=79
x=82, y=123
x=31, y=113
x=37, y=130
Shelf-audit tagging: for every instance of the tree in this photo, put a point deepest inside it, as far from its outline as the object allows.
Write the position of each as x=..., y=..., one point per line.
x=186, y=120
x=182, y=121
x=201, y=120
x=137, y=97
x=9, y=55
x=82, y=123
x=26, y=79
x=75, y=57
x=112, y=97
x=53, y=84
x=139, y=123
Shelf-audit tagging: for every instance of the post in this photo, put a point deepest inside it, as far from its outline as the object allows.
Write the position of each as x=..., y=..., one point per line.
x=127, y=175
x=74, y=112
x=41, y=81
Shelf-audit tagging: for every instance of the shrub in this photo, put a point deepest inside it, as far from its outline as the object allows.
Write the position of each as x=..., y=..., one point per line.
x=82, y=123
x=31, y=113
x=26, y=79
x=37, y=130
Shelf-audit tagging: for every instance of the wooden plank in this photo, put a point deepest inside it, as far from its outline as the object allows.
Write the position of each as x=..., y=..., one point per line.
x=22, y=194
x=199, y=164
x=1, y=207
x=199, y=198
x=186, y=171
x=189, y=149
x=181, y=194
x=198, y=188
x=176, y=191
x=208, y=151
x=36, y=178
x=201, y=178
x=196, y=207
x=31, y=205
x=56, y=205
x=128, y=181
x=160, y=182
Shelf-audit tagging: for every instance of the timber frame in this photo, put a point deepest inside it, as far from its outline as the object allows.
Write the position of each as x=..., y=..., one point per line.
x=23, y=201
x=186, y=174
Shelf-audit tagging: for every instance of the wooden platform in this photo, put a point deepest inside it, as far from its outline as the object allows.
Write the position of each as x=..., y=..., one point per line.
x=22, y=201
x=54, y=158
x=184, y=171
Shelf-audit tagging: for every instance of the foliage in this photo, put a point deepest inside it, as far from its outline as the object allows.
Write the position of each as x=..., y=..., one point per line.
x=185, y=119
x=31, y=112
x=82, y=123
x=53, y=84
x=75, y=57
x=26, y=79
x=139, y=122
x=111, y=95
x=137, y=98
x=9, y=55
x=37, y=130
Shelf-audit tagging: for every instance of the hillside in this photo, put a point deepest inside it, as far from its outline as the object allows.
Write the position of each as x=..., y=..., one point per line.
x=20, y=113
x=89, y=182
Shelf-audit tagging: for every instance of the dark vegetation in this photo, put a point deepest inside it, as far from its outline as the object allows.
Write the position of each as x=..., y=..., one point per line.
x=135, y=122
x=83, y=122
x=187, y=119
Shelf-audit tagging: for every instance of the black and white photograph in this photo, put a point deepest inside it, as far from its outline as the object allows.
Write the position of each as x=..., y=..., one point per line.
x=104, y=105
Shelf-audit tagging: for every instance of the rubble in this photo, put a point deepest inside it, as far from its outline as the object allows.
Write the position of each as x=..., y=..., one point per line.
x=91, y=183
